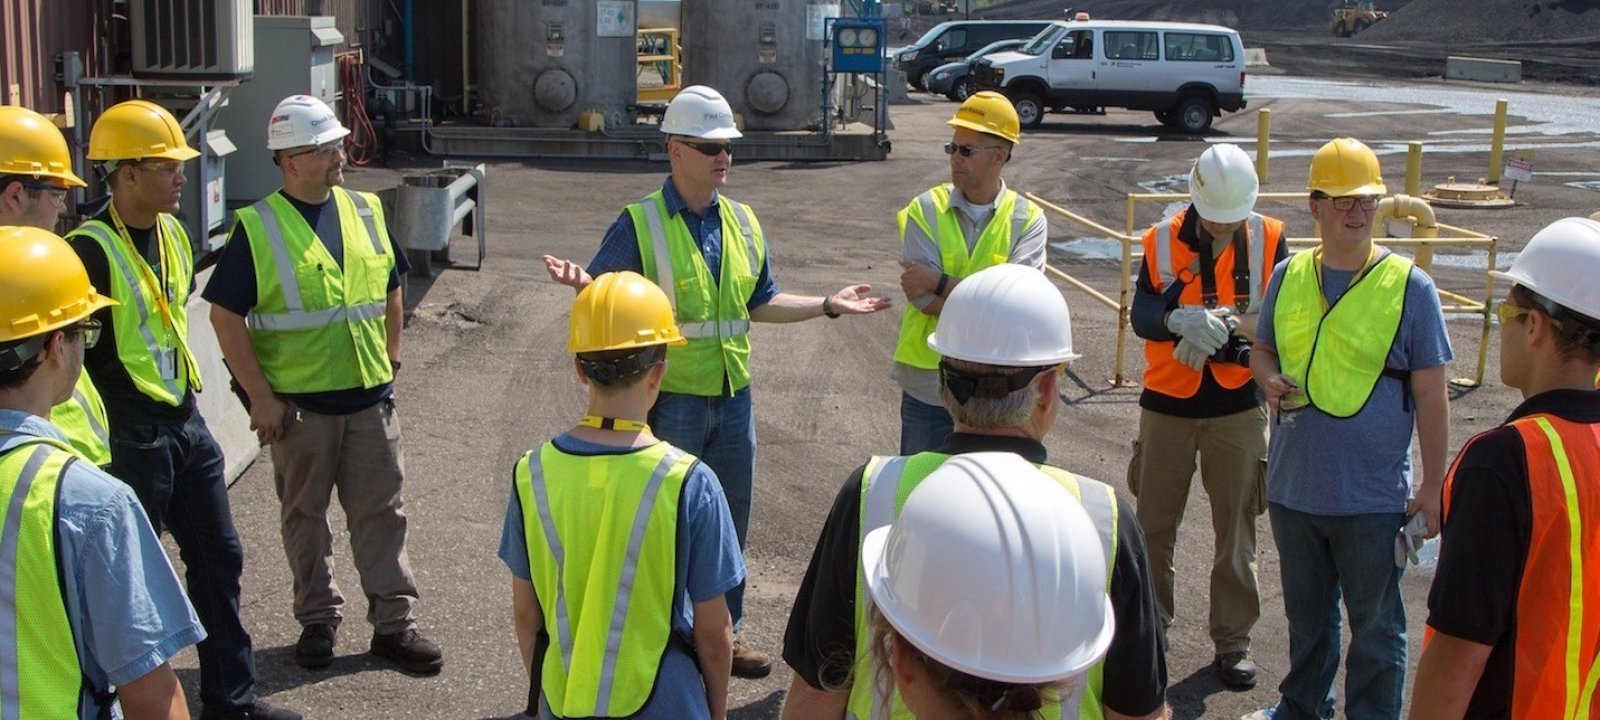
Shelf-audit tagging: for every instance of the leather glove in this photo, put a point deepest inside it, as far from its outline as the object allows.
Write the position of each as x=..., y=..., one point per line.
x=1206, y=330
x=1191, y=354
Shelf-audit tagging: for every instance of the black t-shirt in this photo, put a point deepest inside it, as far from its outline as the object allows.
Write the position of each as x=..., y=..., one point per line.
x=1485, y=543
x=233, y=288
x=1212, y=399
x=820, y=640
x=125, y=404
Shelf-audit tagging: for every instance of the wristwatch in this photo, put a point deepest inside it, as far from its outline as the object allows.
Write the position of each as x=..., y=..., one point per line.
x=827, y=307
x=394, y=366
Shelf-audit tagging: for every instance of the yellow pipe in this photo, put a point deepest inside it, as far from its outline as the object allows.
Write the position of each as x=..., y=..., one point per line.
x=1414, y=169
x=1263, y=138
x=1498, y=146
x=1081, y=220
x=1420, y=215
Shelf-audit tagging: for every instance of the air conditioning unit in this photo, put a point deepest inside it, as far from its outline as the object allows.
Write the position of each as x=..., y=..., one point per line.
x=192, y=39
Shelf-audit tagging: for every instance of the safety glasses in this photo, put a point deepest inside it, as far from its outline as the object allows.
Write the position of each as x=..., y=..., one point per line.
x=1509, y=312
x=89, y=329
x=709, y=149
x=968, y=150
x=325, y=150
x=1346, y=204
x=56, y=193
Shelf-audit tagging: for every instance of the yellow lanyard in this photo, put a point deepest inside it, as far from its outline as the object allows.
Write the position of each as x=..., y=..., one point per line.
x=1372, y=259
x=153, y=285
x=619, y=425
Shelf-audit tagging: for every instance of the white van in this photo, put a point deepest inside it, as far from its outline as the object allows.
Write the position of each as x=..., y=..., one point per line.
x=1186, y=73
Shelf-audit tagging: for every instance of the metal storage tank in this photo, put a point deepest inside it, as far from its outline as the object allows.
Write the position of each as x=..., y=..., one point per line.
x=765, y=56
x=541, y=62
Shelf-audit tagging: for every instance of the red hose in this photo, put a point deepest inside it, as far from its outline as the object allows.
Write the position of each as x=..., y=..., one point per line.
x=362, y=143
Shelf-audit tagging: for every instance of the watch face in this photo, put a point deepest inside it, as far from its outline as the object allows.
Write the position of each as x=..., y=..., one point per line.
x=869, y=37
x=847, y=37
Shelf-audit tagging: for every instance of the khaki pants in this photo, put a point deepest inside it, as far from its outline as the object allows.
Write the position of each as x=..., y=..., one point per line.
x=1233, y=461
x=358, y=455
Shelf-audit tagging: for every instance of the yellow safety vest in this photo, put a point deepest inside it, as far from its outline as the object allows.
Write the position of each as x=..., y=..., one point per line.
x=602, y=551
x=82, y=419
x=36, y=635
x=310, y=306
x=885, y=485
x=151, y=321
x=711, y=315
x=1338, y=353
x=932, y=213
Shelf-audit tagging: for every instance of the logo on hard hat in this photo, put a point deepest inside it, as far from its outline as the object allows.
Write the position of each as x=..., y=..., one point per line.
x=280, y=118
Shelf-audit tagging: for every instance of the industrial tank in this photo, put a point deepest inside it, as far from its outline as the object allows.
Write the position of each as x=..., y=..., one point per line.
x=765, y=56
x=542, y=62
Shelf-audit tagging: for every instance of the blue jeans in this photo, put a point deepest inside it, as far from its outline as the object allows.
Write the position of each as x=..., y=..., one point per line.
x=1322, y=558
x=923, y=427
x=176, y=470
x=721, y=431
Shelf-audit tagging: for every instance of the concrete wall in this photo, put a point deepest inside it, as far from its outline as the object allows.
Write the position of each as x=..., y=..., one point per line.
x=228, y=421
x=1482, y=69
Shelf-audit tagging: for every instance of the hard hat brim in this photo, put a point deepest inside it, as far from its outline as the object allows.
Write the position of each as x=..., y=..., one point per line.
x=1060, y=355
x=975, y=127
x=1227, y=215
x=713, y=134
x=1378, y=189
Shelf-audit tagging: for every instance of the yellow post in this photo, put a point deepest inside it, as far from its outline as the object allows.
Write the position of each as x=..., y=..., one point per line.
x=1263, y=137
x=1414, y=169
x=1488, y=312
x=1497, y=147
x=1124, y=311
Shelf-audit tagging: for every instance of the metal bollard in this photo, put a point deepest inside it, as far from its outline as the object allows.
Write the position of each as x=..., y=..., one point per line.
x=430, y=205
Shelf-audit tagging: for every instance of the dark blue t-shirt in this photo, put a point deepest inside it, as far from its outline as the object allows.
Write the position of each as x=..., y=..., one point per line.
x=233, y=288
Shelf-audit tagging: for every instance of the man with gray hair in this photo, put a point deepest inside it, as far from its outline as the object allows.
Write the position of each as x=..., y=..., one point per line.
x=1004, y=337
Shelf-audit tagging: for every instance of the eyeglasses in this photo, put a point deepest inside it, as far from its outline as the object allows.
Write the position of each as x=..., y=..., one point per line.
x=709, y=149
x=325, y=150
x=968, y=150
x=56, y=192
x=1346, y=204
x=89, y=329
x=1509, y=312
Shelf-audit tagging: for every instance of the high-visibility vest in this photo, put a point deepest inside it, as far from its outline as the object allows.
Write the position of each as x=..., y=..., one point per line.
x=711, y=314
x=932, y=213
x=1337, y=354
x=36, y=638
x=1554, y=669
x=310, y=306
x=150, y=325
x=885, y=485
x=1171, y=260
x=602, y=551
x=82, y=419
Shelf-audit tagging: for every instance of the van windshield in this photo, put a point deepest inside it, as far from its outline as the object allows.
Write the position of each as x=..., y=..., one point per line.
x=1041, y=42
x=927, y=37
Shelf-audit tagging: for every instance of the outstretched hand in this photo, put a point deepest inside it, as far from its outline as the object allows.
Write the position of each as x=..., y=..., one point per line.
x=567, y=273
x=854, y=300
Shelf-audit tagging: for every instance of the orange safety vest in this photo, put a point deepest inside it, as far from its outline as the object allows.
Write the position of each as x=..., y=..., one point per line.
x=1173, y=261
x=1558, y=601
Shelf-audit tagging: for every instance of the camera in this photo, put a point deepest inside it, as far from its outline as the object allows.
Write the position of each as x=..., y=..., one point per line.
x=1237, y=349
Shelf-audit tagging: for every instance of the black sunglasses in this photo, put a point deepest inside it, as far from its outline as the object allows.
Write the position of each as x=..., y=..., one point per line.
x=968, y=150
x=709, y=149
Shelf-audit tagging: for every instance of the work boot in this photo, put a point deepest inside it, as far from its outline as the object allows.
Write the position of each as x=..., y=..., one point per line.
x=410, y=650
x=750, y=664
x=314, y=651
x=258, y=710
x=1236, y=670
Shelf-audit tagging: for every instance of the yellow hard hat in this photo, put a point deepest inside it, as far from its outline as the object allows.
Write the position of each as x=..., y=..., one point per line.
x=1346, y=166
x=990, y=113
x=43, y=285
x=30, y=145
x=138, y=129
x=619, y=311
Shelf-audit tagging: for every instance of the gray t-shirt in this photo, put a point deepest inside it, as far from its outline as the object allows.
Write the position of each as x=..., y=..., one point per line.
x=918, y=247
x=1323, y=465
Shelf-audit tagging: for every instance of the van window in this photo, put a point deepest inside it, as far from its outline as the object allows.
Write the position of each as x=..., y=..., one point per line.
x=1076, y=45
x=953, y=40
x=1132, y=45
x=1199, y=47
x=1041, y=42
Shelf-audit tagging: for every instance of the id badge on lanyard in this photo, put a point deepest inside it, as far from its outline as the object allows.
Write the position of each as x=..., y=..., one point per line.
x=167, y=363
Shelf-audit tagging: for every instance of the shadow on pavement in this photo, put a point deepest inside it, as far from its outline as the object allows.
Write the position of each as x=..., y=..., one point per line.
x=762, y=709
x=1187, y=697
x=276, y=671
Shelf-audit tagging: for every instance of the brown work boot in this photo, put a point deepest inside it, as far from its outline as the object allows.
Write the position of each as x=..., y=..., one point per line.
x=750, y=664
x=410, y=650
x=1236, y=670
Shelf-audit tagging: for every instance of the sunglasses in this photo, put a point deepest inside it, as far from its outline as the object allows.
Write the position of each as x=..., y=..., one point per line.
x=709, y=149
x=968, y=150
x=1345, y=204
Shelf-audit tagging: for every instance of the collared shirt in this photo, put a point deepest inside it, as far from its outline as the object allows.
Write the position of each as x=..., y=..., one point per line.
x=620, y=248
x=128, y=612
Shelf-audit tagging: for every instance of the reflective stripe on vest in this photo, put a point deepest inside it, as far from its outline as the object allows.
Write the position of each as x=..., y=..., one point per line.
x=1558, y=601
x=309, y=304
x=40, y=675
x=139, y=350
x=82, y=419
x=711, y=314
x=1338, y=354
x=933, y=215
x=885, y=485
x=610, y=602
x=1169, y=259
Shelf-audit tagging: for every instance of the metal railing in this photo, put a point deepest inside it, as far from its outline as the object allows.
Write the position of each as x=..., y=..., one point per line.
x=658, y=50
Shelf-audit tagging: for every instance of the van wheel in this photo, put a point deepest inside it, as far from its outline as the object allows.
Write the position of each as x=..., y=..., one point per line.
x=923, y=78
x=1030, y=112
x=1193, y=115
x=961, y=90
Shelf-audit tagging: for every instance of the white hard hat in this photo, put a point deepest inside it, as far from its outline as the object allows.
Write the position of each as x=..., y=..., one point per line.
x=1559, y=263
x=1008, y=315
x=301, y=120
x=995, y=570
x=1223, y=184
x=699, y=111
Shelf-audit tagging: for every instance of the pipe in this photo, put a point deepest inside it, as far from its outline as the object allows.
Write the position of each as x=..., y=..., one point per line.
x=1263, y=139
x=408, y=14
x=466, y=60
x=1414, y=169
x=1497, y=148
x=1423, y=225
